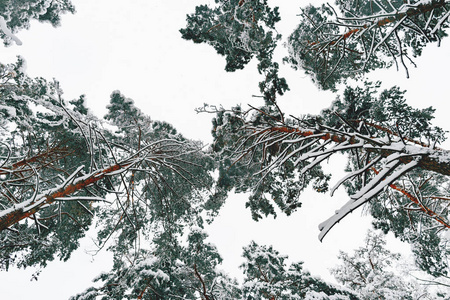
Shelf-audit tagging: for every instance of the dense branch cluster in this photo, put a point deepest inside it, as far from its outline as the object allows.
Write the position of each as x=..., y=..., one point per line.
x=333, y=44
x=16, y=15
x=238, y=30
x=149, y=190
x=393, y=161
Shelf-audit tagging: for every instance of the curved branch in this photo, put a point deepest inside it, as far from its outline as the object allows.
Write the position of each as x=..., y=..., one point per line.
x=366, y=194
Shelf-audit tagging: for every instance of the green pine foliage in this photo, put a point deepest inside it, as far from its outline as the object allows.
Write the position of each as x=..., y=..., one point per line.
x=331, y=43
x=191, y=271
x=18, y=13
x=237, y=29
x=238, y=166
x=241, y=30
x=374, y=272
x=352, y=38
x=169, y=271
x=255, y=156
x=267, y=276
x=164, y=183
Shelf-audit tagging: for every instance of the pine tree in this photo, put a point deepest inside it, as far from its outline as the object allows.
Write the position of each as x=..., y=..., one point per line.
x=372, y=272
x=268, y=277
x=169, y=271
x=383, y=137
x=59, y=164
x=331, y=43
x=395, y=166
x=151, y=188
x=240, y=30
x=237, y=29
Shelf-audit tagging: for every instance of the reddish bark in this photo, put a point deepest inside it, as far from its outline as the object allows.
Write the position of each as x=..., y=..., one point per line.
x=422, y=207
x=426, y=161
x=19, y=214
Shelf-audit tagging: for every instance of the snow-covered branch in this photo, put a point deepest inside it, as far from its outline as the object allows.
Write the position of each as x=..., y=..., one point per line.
x=280, y=146
x=333, y=46
x=27, y=208
x=8, y=32
x=160, y=152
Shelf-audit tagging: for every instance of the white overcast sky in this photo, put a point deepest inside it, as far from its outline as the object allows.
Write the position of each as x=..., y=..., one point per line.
x=135, y=47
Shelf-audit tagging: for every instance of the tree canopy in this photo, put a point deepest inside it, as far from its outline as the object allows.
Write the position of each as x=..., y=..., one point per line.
x=352, y=38
x=391, y=147
x=58, y=163
x=149, y=191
